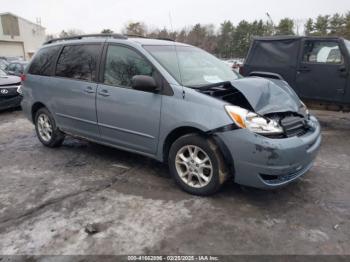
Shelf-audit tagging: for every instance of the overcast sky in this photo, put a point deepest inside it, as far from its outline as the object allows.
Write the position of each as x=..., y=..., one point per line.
x=93, y=16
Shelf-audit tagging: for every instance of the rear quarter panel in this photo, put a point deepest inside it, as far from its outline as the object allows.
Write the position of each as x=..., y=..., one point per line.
x=36, y=89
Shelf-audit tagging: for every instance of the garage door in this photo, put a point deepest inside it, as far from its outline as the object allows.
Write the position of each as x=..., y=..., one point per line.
x=11, y=49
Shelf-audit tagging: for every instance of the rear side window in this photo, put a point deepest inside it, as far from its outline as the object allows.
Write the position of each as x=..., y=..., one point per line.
x=275, y=53
x=122, y=64
x=44, y=61
x=325, y=52
x=78, y=62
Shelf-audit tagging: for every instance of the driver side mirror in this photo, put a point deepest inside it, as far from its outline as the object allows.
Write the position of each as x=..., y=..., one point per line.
x=144, y=83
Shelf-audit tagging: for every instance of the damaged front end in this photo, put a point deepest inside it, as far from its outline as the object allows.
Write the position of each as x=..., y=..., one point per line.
x=293, y=124
x=268, y=108
x=273, y=139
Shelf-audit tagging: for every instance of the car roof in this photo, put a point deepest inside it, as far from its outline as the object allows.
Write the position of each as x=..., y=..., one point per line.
x=292, y=37
x=98, y=38
x=153, y=41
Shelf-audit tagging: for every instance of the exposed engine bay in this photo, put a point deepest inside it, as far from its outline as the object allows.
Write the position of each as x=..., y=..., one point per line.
x=294, y=123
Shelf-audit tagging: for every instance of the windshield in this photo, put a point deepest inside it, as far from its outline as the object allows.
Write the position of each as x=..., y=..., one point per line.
x=347, y=43
x=191, y=66
x=2, y=73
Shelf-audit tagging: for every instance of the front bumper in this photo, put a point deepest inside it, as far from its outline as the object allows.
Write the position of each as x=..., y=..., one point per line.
x=263, y=162
x=10, y=102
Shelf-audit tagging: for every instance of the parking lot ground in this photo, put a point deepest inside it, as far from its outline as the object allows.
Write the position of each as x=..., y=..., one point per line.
x=84, y=198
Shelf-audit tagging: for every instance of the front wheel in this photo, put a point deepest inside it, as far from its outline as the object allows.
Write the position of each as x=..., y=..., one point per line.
x=197, y=165
x=46, y=129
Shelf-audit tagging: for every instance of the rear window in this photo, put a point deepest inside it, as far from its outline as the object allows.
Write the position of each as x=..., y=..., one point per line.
x=275, y=53
x=78, y=62
x=44, y=61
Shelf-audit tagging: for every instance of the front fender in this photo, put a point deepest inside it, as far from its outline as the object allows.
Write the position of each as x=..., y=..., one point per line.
x=190, y=109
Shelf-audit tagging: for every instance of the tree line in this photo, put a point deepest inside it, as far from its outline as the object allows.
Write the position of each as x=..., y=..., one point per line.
x=229, y=40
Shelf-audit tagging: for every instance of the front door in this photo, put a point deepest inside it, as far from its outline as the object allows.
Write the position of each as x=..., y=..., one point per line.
x=127, y=118
x=322, y=72
x=73, y=90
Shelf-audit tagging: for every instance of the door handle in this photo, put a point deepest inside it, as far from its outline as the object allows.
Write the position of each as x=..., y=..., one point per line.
x=89, y=90
x=343, y=72
x=103, y=92
x=342, y=69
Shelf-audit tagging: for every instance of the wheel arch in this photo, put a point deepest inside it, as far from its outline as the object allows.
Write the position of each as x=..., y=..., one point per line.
x=175, y=134
x=184, y=130
x=35, y=107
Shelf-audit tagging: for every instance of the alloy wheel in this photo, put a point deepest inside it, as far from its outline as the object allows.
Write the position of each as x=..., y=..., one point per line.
x=194, y=166
x=44, y=127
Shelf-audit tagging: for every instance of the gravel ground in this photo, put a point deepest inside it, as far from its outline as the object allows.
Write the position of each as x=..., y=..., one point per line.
x=84, y=198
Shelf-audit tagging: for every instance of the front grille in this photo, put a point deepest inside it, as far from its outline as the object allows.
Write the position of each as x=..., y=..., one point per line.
x=294, y=126
x=274, y=180
x=8, y=91
x=4, y=99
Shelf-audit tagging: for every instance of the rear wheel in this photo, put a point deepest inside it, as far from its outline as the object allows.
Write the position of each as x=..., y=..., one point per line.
x=46, y=129
x=197, y=165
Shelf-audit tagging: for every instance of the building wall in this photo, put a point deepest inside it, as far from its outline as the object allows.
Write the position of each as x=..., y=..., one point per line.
x=30, y=35
x=11, y=48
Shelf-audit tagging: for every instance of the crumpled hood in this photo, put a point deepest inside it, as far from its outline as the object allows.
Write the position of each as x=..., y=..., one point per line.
x=268, y=95
x=9, y=80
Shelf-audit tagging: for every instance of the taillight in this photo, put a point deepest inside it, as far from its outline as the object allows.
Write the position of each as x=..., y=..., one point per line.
x=241, y=70
x=23, y=77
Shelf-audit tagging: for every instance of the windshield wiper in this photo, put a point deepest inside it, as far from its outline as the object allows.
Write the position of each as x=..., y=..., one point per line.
x=209, y=86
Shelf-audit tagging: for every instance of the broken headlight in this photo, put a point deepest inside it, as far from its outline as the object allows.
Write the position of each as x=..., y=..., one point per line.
x=252, y=121
x=305, y=109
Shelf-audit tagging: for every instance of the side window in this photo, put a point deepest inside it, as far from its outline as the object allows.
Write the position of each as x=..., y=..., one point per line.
x=18, y=68
x=325, y=52
x=12, y=67
x=122, y=64
x=78, y=62
x=44, y=61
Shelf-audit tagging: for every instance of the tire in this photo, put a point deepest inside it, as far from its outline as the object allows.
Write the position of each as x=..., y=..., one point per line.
x=50, y=139
x=180, y=164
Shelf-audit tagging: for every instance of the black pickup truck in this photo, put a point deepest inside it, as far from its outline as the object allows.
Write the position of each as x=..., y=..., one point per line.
x=317, y=68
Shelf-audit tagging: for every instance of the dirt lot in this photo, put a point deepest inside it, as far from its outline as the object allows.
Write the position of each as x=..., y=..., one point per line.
x=48, y=198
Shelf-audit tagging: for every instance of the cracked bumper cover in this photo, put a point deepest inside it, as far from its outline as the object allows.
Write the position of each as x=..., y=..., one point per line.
x=263, y=162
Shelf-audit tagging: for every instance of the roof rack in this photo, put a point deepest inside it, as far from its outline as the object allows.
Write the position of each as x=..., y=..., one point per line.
x=149, y=37
x=136, y=36
x=165, y=38
x=116, y=36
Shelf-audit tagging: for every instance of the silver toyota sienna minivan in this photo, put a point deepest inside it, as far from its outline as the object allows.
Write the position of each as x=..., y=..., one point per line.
x=172, y=102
